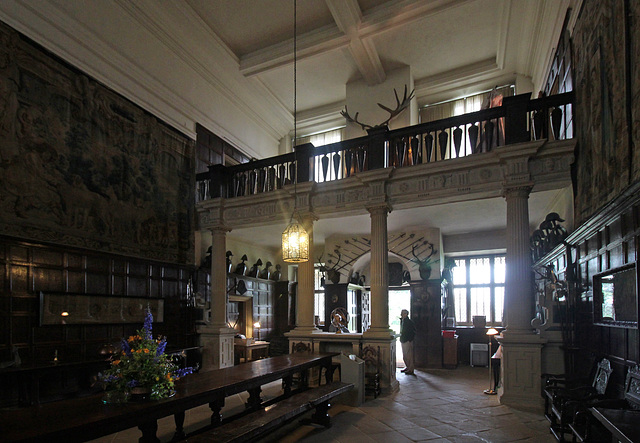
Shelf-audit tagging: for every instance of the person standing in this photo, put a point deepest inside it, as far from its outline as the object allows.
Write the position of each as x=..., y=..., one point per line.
x=407, y=334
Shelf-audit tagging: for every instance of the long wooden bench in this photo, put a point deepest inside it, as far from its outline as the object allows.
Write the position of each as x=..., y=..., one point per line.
x=262, y=421
x=611, y=419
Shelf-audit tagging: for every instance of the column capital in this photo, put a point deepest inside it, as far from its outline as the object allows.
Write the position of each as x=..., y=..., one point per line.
x=379, y=208
x=306, y=216
x=220, y=227
x=514, y=190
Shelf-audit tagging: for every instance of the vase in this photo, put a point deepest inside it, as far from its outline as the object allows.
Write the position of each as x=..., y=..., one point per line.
x=115, y=397
x=140, y=393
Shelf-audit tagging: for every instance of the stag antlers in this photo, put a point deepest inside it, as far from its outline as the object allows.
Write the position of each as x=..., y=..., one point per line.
x=400, y=106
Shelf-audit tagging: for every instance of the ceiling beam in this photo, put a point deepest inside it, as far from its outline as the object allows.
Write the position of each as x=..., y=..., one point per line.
x=348, y=17
x=381, y=19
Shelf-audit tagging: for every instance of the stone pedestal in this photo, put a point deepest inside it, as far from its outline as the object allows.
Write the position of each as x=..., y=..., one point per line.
x=217, y=347
x=521, y=371
x=387, y=344
x=216, y=338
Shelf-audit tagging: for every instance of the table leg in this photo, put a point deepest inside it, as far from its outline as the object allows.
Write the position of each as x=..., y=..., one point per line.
x=287, y=382
x=179, y=419
x=215, y=407
x=328, y=375
x=321, y=416
x=254, y=399
x=149, y=432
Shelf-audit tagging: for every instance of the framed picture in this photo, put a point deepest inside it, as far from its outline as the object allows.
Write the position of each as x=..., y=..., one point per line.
x=615, y=297
x=79, y=309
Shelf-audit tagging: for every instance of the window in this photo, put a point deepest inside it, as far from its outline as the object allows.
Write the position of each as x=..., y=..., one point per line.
x=478, y=288
x=318, y=304
x=321, y=139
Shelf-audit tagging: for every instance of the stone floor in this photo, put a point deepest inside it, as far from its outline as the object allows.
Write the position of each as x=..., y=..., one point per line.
x=436, y=405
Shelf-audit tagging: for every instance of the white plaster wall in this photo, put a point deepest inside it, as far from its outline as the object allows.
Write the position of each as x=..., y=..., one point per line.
x=356, y=256
x=364, y=99
x=476, y=242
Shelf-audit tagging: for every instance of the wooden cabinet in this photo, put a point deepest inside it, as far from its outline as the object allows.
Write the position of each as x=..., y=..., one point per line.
x=254, y=300
x=450, y=352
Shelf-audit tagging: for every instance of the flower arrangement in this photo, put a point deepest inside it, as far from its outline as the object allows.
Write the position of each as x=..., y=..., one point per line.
x=142, y=363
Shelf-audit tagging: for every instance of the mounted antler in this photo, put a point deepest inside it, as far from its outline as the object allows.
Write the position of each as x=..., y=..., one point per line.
x=346, y=115
x=406, y=100
x=400, y=106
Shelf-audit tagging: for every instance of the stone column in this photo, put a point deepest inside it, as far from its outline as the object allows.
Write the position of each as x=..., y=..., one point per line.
x=379, y=335
x=521, y=356
x=379, y=270
x=518, y=296
x=216, y=337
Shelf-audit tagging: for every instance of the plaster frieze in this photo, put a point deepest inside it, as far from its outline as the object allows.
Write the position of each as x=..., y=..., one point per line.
x=539, y=165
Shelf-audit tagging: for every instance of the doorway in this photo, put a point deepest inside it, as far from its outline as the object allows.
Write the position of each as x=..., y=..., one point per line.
x=399, y=299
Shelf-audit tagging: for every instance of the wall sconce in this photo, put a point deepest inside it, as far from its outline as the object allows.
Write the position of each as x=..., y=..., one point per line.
x=256, y=328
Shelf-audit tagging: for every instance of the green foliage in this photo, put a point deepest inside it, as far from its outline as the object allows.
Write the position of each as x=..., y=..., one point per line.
x=143, y=363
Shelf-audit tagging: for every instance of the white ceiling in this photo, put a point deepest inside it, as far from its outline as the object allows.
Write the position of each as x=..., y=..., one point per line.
x=452, y=46
x=228, y=65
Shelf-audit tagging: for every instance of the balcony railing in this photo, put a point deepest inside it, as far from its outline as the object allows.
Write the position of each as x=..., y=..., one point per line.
x=519, y=119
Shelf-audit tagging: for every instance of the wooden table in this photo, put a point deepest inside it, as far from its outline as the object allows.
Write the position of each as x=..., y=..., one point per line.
x=87, y=418
x=28, y=376
x=247, y=351
x=623, y=424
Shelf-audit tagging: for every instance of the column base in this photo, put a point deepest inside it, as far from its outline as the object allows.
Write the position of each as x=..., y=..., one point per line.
x=380, y=333
x=302, y=331
x=521, y=368
x=217, y=347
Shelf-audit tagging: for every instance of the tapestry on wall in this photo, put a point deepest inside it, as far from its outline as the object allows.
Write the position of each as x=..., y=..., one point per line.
x=82, y=166
x=599, y=49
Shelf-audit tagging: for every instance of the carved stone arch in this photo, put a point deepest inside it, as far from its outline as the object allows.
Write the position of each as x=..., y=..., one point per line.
x=362, y=264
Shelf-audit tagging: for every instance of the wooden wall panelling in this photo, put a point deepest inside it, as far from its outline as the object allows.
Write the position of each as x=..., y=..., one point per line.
x=28, y=268
x=606, y=242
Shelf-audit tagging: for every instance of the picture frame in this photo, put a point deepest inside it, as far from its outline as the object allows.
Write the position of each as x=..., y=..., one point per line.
x=84, y=309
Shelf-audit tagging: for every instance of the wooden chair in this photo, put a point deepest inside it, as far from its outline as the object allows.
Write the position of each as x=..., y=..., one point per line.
x=371, y=357
x=301, y=379
x=586, y=428
x=564, y=396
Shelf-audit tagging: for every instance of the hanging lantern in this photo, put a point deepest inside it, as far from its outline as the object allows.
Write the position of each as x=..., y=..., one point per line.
x=295, y=243
x=295, y=240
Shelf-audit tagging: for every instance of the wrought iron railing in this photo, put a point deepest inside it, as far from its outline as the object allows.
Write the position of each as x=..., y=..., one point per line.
x=519, y=119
